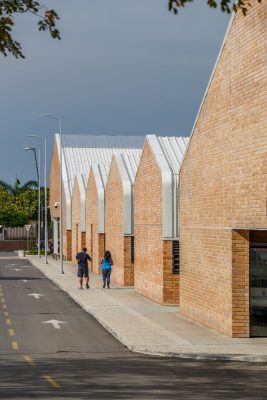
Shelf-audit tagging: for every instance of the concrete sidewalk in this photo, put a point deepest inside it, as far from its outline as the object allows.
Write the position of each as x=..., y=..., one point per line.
x=146, y=327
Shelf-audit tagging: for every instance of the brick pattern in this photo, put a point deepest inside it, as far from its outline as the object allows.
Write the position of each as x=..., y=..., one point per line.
x=153, y=276
x=77, y=237
x=171, y=290
x=223, y=178
x=95, y=242
x=116, y=242
x=240, y=286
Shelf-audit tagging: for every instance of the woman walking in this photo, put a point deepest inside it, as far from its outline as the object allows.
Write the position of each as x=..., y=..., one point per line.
x=106, y=264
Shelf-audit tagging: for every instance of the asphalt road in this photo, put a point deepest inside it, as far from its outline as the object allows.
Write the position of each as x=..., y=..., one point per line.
x=82, y=361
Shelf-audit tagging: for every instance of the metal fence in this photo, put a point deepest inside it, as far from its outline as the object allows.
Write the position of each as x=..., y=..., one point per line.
x=19, y=233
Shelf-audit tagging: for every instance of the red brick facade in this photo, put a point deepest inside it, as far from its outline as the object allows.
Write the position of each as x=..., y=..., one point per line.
x=116, y=242
x=95, y=241
x=153, y=275
x=78, y=237
x=223, y=185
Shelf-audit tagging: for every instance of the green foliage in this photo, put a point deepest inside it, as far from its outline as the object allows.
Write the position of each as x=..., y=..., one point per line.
x=18, y=204
x=226, y=5
x=8, y=9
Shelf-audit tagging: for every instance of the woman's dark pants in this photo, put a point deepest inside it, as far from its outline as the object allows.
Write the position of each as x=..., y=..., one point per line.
x=106, y=275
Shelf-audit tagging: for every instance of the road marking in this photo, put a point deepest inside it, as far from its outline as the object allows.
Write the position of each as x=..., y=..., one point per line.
x=5, y=313
x=3, y=300
x=29, y=360
x=55, y=323
x=4, y=306
x=15, y=345
x=11, y=332
x=8, y=322
x=24, y=280
x=51, y=381
x=16, y=269
x=36, y=295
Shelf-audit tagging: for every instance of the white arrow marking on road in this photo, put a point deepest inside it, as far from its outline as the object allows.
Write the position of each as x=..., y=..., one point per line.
x=24, y=280
x=36, y=295
x=55, y=323
x=16, y=269
x=13, y=265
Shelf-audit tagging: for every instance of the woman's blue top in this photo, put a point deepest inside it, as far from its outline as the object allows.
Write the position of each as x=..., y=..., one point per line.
x=105, y=264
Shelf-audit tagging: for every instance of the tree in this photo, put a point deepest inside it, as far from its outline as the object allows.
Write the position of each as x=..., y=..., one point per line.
x=17, y=189
x=226, y=5
x=9, y=8
x=47, y=19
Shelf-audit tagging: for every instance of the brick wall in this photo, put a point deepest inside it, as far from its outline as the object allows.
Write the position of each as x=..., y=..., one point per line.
x=153, y=276
x=95, y=242
x=78, y=239
x=116, y=242
x=12, y=245
x=240, y=283
x=223, y=178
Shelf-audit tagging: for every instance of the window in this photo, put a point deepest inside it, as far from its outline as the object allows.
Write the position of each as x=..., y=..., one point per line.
x=175, y=257
x=132, y=249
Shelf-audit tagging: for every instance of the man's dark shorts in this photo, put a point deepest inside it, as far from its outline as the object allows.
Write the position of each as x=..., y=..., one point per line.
x=82, y=271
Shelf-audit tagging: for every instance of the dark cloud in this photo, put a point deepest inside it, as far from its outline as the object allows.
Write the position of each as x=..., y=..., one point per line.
x=122, y=66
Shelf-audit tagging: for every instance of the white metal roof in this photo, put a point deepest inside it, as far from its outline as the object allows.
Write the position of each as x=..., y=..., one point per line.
x=127, y=167
x=100, y=172
x=169, y=153
x=80, y=152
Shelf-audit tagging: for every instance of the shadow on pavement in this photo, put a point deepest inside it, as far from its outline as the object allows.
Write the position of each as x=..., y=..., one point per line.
x=132, y=377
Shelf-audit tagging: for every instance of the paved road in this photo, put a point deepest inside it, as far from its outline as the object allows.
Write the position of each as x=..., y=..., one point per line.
x=82, y=361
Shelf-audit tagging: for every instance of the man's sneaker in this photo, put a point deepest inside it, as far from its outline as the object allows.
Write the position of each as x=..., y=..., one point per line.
x=104, y=285
x=87, y=286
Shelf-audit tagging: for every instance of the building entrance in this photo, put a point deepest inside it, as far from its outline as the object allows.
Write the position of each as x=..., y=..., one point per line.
x=258, y=283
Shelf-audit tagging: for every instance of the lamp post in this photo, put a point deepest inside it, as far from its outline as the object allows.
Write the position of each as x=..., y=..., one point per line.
x=45, y=187
x=39, y=192
x=60, y=190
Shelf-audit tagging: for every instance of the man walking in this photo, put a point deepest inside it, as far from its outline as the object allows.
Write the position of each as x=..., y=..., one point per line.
x=82, y=259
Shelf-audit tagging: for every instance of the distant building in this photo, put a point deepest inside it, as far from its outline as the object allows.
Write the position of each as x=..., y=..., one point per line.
x=79, y=152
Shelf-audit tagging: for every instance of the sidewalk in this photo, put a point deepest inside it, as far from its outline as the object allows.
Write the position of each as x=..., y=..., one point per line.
x=146, y=327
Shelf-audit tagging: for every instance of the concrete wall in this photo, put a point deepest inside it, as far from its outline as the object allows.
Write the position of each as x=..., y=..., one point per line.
x=116, y=242
x=223, y=183
x=153, y=276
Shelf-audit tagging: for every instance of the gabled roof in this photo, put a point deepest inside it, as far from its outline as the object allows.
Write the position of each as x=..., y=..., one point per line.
x=127, y=167
x=168, y=153
x=82, y=183
x=80, y=152
x=100, y=172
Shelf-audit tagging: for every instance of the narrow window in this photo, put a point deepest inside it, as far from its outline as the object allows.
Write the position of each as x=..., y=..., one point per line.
x=175, y=257
x=132, y=249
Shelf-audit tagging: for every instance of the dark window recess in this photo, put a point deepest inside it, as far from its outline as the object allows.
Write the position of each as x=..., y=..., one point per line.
x=175, y=257
x=132, y=249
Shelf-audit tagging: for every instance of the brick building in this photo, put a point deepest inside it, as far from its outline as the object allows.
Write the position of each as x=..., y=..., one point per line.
x=156, y=269
x=119, y=225
x=78, y=215
x=95, y=214
x=223, y=189
x=79, y=152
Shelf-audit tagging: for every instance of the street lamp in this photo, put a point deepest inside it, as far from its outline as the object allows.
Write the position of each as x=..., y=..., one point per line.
x=45, y=186
x=39, y=192
x=60, y=191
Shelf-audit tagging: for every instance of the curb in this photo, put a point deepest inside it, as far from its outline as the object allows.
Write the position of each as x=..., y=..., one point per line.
x=135, y=349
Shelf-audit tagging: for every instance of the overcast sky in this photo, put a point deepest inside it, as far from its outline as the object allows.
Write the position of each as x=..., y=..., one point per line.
x=122, y=67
